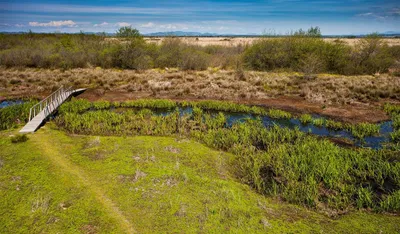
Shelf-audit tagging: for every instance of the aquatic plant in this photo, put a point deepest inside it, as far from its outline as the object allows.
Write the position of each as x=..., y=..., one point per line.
x=150, y=103
x=391, y=108
x=396, y=121
x=362, y=130
x=11, y=116
x=332, y=124
x=306, y=119
x=319, y=122
x=225, y=106
x=279, y=114
x=395, y=136
x=75, y=106
x=99, y=105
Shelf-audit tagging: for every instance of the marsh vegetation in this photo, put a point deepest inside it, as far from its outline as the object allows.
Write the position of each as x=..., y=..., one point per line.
x=322, y=175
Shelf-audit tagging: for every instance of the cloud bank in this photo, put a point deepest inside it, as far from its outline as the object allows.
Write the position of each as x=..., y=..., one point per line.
x=65, y=23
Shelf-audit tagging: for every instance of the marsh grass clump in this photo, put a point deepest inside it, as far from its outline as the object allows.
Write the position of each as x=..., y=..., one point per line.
x=319, y=122
x=225, y=106
x=75, y=106
x=306, y=119
x=396, y=121
x=395, y=136
x=11, y=116
x=279, y=114
x=99, y=105
x=150, y=103
x=362, y=130
x=334, y=125
x=19, y=138
x=391, y=108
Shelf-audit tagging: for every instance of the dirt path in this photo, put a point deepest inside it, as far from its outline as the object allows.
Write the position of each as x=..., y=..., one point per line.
x=55, y=155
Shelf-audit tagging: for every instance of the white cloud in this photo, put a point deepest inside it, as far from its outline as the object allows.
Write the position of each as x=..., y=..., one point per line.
x=148, y=25
x=67, y=23
x=123, y=24
x=366, y=14
x=169, y=26
x=101, y=25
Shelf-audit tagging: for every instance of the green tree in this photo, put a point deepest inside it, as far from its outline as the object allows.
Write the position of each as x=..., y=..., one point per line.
x=129, y=32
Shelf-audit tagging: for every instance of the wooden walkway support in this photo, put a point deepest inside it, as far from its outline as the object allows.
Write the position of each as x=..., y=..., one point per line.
x=39, y=112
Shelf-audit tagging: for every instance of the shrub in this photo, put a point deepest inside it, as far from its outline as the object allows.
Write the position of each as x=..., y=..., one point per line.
x=193, y=60
x=128, y=32
x=19, y=138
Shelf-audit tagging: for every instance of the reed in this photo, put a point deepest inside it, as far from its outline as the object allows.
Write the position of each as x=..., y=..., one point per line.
x=306, y=119
x=279, y=114
x=14, y=115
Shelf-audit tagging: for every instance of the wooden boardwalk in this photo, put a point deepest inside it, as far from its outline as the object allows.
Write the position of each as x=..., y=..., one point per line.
x=39, y=112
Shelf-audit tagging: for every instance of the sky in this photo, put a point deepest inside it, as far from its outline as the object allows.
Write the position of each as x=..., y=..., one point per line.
x=220, y=16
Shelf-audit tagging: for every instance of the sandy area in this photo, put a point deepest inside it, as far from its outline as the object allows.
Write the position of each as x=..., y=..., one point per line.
x=234, y=41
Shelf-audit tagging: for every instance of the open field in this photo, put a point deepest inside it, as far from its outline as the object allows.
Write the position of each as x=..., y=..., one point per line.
x=56, y=182
x=235, y=41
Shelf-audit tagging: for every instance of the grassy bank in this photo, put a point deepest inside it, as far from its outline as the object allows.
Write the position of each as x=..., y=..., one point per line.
x=279, y=162
x=60, y=183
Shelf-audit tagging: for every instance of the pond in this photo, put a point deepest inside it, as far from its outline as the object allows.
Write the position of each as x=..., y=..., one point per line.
x=7, y=103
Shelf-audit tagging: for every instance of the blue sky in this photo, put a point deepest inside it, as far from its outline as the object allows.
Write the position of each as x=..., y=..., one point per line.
x=222, y=16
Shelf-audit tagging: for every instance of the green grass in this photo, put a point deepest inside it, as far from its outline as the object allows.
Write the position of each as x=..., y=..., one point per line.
x=68, y=184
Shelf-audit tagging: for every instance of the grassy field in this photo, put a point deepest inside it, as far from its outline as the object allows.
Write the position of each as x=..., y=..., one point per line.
x=56, y=182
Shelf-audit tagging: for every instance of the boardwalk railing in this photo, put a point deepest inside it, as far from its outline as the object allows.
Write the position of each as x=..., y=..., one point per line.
x=53, y=100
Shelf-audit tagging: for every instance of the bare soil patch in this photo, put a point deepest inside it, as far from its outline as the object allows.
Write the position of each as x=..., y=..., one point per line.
x=235, y=41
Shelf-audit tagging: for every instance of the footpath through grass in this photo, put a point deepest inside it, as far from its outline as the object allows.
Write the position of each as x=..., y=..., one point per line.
x=70, y=184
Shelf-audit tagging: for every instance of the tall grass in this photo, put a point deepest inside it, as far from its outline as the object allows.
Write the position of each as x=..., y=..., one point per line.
x=360, y=130
x=13, y=115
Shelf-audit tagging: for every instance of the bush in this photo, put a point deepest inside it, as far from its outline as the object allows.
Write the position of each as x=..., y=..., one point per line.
x=19, y=138
x=128, y=32
x=193, y=60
